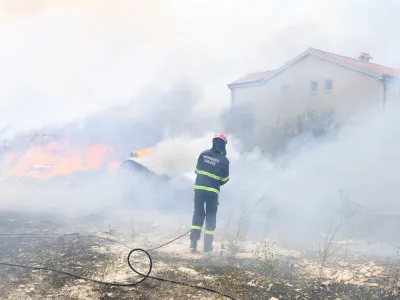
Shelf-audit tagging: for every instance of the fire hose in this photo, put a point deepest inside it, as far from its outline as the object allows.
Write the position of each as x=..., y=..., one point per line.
x=121, y=284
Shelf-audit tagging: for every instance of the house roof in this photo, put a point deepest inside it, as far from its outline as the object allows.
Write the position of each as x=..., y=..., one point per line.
x=395, y=72
x=368, y=68
x=253, y=77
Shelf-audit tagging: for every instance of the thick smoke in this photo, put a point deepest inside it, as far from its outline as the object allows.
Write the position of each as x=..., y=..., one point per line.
x=360, y=160
x=133, y=75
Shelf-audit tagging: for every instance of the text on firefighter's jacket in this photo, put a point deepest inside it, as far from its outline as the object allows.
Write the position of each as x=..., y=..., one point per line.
x=210, y=160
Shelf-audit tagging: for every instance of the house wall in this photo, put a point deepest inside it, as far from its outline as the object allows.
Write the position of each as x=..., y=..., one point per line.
x=352, y=91
x=393, y=94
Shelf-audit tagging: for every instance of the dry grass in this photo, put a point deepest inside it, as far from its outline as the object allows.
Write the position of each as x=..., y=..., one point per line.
x=262, y=272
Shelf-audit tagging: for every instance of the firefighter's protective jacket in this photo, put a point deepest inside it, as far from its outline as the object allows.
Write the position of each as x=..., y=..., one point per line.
x=212, y=171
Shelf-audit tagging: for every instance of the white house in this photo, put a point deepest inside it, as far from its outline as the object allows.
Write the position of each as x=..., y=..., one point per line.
x=316, y=79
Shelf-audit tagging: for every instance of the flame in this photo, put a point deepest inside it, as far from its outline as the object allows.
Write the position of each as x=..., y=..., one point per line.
x=142, y=152
x=58, y=159
x=9, y=158
x=46, y=159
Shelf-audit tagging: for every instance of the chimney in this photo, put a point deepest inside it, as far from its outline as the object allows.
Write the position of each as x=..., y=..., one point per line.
x=365, y=57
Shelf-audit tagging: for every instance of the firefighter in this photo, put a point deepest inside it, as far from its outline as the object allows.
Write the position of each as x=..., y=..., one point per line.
x=212, y=171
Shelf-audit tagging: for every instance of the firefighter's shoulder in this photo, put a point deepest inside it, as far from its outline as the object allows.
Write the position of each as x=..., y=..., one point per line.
x=206, y=152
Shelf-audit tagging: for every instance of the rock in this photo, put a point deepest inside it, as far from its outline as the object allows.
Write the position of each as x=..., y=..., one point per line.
x=325, y=283
x=372, y=284
x=343, y=264
x=288, y=284
x=344, y=275
x=362, y=279
x=252, y=283
x=377, y=273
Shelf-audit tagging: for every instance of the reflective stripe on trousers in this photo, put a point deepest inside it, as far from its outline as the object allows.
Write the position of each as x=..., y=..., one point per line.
x=206, y=188
x=201, y=214
x=194, y=227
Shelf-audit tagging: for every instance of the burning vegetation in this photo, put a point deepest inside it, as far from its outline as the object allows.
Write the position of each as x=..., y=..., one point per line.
x=44, y=157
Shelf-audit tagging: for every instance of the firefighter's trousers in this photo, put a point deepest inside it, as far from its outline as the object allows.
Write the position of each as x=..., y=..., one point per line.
x=205, y=207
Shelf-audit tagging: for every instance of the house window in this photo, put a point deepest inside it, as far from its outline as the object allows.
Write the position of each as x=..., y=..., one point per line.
x=286, y=90
x=328, y=85
x=313, y=87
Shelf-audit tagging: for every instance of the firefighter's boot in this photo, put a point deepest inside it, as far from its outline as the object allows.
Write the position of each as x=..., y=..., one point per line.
x=193, y=246
x=208, y=240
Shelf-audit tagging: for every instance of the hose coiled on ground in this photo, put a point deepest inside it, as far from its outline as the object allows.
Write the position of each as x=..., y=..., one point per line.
x=144, y=276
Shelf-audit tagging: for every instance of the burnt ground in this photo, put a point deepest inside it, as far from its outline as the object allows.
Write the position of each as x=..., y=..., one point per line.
x=261, y=274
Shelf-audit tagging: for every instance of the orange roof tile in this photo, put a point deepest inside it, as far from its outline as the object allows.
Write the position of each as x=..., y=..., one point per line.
x=363, y=64
x=358, y=64
x=253, y=77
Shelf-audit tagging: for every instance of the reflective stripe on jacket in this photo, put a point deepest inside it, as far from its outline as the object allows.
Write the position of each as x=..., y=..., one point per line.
x=212, y=171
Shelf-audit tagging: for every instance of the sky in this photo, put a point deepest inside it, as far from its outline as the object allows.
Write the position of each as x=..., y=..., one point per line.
x=63, y=60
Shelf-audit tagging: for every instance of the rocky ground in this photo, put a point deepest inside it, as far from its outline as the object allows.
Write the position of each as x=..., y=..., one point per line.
x=251, y=270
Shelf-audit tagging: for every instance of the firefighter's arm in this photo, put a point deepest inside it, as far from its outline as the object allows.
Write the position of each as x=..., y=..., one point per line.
x=198, y=163
x=225, y=172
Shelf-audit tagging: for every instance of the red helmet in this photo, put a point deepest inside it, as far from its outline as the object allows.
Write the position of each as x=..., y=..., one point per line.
x=221, y=136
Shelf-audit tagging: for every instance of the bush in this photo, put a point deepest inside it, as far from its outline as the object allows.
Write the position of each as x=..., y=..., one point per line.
x=242, y=123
